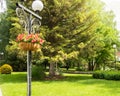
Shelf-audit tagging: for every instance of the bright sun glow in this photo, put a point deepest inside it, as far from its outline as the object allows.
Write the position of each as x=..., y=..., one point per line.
x=114, y=5
x=3, y=6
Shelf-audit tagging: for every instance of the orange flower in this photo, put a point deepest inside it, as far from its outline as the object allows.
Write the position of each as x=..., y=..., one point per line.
x=31, y=38
x=20, y=37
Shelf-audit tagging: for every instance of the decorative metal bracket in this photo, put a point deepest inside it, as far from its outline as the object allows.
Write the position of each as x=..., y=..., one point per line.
x=28, y=19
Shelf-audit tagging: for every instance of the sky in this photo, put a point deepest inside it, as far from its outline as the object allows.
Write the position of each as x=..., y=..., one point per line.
x=3, y=6
x=114, y=5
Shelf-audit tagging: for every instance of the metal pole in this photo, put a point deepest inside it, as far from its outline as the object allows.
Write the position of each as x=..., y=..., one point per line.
x=28, y=25
x=29, y=59
x=29, y=67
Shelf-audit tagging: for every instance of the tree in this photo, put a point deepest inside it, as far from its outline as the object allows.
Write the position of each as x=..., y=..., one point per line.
x=69, y=27
x=15, y=56
x=73, y=29
x=4, y=32
x=8, y=34
x=109, y=36
x=105, y=35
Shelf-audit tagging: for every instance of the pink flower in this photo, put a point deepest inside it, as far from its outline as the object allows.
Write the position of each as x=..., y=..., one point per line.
x=33, y=41
x=31, y=38
x=41, y=41
x=20, y=37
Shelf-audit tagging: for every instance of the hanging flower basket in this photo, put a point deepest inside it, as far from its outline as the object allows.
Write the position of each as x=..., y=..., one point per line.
x=31, y=42
x=29, y=46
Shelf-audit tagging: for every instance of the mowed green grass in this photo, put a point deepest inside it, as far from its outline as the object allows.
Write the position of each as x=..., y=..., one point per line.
x=72, y=85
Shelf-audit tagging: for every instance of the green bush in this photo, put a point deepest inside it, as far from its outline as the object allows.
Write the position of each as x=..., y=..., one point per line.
x=98, y=75
x=79, y=69
x=38, y=73
x=6, y=69
x=112, y=75
x=108, y=75
x=117, y=65
x=117, y=76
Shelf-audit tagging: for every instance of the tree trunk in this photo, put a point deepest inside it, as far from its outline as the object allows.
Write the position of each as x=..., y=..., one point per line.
x=96, y=66
x=90, y=66
x=52, y=70
x=78, y=65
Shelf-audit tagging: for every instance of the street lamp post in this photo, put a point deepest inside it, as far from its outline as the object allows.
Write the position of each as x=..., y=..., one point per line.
x=31, y=22
x=114, y=46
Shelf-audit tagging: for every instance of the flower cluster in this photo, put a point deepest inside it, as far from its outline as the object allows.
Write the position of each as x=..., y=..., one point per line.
x=31, y=38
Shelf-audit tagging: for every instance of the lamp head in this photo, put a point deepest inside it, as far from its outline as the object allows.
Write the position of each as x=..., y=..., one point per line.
x=37, y=5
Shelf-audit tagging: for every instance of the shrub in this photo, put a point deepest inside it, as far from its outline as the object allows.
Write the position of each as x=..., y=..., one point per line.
x=98, y=75
x=38, y=73
x=108, y=75
x=112, y=75
x=79, y=69
x=118, y=65
x=6, y=69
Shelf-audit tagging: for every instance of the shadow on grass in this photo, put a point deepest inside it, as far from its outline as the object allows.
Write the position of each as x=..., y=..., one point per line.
x=88, y=80
x=77, y=78
x=70, y=78
x=85, y=79
x=21, y=77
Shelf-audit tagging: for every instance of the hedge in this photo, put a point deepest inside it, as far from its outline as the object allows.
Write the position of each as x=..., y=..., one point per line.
x=108, y=75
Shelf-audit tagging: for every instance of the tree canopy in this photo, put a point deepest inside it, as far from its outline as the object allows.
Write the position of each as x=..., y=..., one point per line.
x=73, y=30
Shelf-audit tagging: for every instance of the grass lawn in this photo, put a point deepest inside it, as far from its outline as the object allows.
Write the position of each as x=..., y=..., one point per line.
x=73, y=85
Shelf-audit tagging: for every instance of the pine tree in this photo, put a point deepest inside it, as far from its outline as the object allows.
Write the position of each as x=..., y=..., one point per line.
x=68, y=25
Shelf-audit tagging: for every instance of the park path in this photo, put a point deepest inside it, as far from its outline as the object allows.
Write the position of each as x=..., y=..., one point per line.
x=0, y=92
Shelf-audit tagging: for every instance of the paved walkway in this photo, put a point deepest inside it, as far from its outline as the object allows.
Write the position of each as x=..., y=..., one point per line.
x=0, y=92
x=80, y=72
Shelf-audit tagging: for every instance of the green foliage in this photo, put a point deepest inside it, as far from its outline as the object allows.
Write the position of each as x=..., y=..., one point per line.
x=38, y=73
x=108, y=75
x=73, y=29
x=4, y=32
x=6, y=69
x=69, y=35
x=6, y=25
x=112, y=75
x=2, y=62
x=116, y=65
x=79, y=69
x=16, y=58
x=98, y=75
